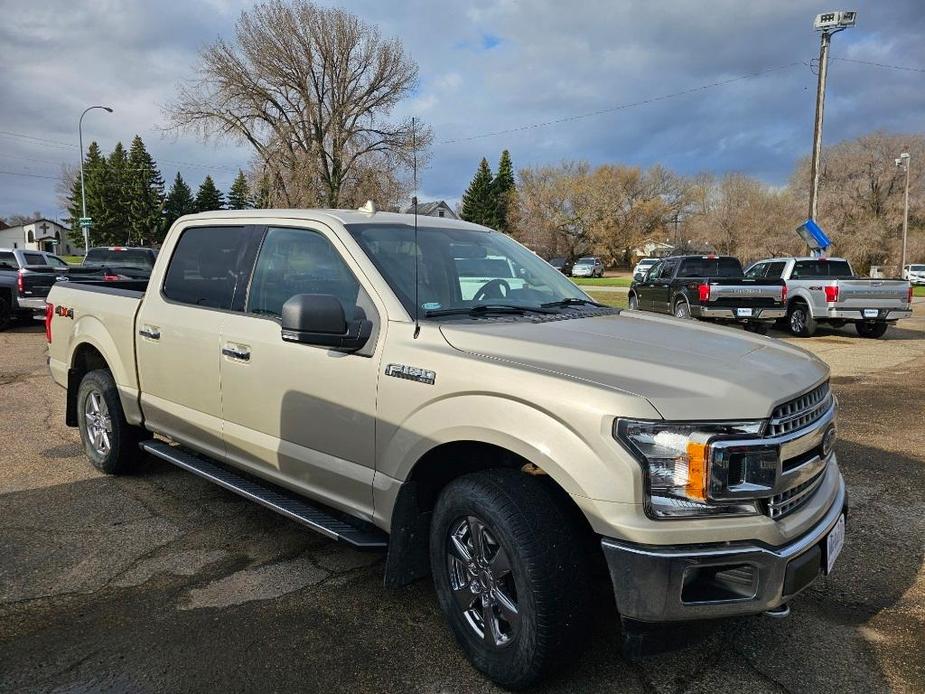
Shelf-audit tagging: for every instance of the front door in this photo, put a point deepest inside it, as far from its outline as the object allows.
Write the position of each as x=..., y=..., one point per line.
x=644, y=287
x=301, y=415
x=660, y=292
x=179, y=333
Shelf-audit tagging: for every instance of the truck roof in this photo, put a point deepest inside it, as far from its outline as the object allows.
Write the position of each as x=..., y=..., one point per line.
x=797, y=257
x=342, y=216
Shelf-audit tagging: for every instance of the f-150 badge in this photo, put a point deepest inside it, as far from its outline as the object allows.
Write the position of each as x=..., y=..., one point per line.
x=411, y=373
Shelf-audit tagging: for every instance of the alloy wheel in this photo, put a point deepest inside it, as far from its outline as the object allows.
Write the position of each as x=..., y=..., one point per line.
x=99, y=423
x=482, y=581
x=797, y=321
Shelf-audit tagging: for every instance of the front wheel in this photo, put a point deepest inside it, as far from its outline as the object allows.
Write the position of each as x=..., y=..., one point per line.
x=511, y=573
x=633, y=303
x=872, y=330
x=111, y=443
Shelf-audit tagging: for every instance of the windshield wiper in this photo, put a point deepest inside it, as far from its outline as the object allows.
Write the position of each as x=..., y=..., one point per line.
x=571, y=301
x=483, y=309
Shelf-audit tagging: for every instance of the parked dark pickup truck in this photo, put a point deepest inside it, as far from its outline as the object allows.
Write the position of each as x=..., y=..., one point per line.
x=710, y=288
x=26, y=276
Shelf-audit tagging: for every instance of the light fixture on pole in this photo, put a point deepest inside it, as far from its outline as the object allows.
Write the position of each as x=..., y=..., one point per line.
x=85, y=220
x=827, y=23
x=902, y=162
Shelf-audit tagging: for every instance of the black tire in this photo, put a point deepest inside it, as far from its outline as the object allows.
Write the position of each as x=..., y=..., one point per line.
x=6, y=313
x=758, y=328
x=682, y=309
x=110, y=442
x=524, y=527
x=871, y=330
x=800, y=321
x=633, y=303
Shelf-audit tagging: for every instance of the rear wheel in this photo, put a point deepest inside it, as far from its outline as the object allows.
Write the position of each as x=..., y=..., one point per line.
x=758, y=328
x=111, y=443
x=872, y=330
x=800, y=321
x=682, y=309
x=511, y=573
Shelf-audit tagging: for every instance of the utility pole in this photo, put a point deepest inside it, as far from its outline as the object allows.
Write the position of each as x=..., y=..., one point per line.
x=84, y=220
x=903, y=163
x=827, y=24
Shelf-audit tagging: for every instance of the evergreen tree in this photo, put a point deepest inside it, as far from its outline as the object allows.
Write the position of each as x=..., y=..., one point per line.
x=262, y=194
x=478, y=202
x=116, y=228
x=503, y=191
x=96, y=176
x=209, y=197
x=180, y=201
x=239, y=195
x=145, y=193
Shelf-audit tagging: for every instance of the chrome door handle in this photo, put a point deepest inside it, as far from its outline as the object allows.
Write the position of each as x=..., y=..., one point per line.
x=237, y=353
x=150, y=332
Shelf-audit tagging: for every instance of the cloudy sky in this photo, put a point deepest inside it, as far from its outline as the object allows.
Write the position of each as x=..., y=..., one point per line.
x=489, y=72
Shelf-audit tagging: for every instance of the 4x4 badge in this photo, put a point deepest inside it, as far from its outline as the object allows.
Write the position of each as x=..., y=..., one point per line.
x=411, y=373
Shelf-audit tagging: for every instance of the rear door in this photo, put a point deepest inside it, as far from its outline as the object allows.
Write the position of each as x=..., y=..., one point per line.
x=179, y=327
x=302, y=415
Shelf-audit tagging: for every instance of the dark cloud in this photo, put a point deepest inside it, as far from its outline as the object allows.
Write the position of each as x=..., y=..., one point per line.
x=485, y=67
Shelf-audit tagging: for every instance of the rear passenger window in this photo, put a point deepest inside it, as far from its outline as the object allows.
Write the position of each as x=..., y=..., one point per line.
x=34, y=259
x=299, y=261
x=776, y=270
x=209, y=267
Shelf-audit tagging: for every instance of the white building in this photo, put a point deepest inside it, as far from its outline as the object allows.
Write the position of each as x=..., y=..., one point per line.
x=438, y=208
x=39, y=235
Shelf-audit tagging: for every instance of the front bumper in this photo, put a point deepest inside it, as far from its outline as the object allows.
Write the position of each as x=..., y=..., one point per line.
x=858, y=313
x=33, y=303
x=673, y=583
x=731, y=313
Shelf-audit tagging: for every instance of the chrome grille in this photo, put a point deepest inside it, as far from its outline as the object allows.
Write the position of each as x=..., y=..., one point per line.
x=790, y=500
x=802, y=411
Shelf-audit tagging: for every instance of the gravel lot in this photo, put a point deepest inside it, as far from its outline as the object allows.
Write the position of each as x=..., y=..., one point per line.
x=163, y=582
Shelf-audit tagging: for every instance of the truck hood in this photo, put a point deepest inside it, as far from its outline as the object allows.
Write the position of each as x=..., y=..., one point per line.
x=685, y=369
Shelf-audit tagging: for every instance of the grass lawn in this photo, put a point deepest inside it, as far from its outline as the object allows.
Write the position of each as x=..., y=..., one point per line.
x=617, y=300
x=919, y=290
x=72, y=259
x=602, y=281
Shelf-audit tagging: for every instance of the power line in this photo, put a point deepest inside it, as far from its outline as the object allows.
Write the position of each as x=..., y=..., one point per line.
x=904, y=68
x=22, y=173
x=622, y=107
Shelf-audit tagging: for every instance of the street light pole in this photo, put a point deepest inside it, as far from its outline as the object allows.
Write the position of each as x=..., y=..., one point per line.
x=827, y=24
x=83, y=192
x=903, y=162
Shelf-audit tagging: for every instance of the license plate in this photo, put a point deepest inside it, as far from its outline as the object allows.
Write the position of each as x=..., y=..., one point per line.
x=834, y=543
x=871, y=313
x=744, y=312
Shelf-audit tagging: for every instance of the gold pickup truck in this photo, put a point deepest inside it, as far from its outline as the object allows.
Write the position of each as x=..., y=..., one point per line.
x=335, y=367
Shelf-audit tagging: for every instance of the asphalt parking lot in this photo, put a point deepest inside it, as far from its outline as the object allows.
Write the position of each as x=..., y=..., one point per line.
x=164, y=582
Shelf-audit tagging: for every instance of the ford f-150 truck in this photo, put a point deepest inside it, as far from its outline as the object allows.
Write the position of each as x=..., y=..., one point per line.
x=25, y=279
x=709, y=287
x=826, y=290
x=331, y=366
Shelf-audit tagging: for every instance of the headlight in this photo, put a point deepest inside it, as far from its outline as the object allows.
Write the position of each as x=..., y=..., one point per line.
x=680, y=480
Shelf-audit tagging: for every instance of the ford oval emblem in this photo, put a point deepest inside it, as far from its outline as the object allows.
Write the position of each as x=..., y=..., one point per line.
x=828, y=442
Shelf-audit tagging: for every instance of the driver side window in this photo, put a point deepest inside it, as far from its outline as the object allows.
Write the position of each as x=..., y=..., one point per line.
x=299, y=261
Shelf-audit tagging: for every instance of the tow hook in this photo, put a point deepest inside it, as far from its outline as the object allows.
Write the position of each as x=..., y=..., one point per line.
x=779, y=612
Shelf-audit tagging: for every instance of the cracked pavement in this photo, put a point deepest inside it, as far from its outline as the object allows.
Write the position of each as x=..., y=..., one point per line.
x=163, y=582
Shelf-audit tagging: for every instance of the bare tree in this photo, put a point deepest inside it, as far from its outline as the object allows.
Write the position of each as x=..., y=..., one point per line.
x=311, y=90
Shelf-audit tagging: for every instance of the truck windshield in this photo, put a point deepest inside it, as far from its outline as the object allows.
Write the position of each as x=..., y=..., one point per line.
x=820, y=269
x=710, y=267
x=462, y=269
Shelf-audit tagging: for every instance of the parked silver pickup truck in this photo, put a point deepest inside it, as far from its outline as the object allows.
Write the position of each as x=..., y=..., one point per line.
x=826, y=290
x=509, y=442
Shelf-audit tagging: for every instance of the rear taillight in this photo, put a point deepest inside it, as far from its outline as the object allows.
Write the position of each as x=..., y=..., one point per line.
x=20, y=285
x=783, y=294
x=704, y=292
x=831, y=294
x=110, y=278
x=49, y=314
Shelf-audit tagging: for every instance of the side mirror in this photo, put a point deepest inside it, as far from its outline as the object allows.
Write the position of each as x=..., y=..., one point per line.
x=318, y=319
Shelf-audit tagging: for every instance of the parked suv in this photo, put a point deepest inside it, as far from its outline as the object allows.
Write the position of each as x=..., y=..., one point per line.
x=588, y=267
x=505, y=443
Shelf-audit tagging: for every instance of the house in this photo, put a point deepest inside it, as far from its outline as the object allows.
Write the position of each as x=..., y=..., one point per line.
x=438, y=208
x=39, y=235
x=651, y=248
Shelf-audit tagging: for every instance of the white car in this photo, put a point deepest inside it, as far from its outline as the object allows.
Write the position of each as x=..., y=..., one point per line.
x=914, y=273
x=643, y=266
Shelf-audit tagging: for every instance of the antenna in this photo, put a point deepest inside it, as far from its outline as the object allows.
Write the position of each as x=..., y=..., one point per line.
x=414, y=206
